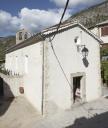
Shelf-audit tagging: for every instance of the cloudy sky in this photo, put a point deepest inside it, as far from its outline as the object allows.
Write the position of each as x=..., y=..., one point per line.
x=35, y=15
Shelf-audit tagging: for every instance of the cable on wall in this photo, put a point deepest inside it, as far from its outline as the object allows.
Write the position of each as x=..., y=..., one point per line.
x=59, y=63
x=61, y=19
x=51, y=43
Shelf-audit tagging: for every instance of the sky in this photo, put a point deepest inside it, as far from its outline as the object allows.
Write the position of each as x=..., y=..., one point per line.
x=35, y=15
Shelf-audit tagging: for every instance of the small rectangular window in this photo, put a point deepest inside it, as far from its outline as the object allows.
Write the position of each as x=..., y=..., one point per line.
x=104, y=31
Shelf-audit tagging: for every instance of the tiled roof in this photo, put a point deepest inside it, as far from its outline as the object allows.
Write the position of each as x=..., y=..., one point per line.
x=102, y=23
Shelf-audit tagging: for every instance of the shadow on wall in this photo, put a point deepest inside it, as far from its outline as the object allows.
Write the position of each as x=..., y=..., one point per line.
x=6, y=97
x=85, y=62
x=98, y=121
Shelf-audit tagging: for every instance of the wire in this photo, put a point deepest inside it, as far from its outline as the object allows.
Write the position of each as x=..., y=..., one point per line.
x=50, y=40
x=61, y=19
x=60, y=64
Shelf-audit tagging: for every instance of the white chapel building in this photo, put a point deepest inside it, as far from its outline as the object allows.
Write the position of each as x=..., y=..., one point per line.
x=60, y=75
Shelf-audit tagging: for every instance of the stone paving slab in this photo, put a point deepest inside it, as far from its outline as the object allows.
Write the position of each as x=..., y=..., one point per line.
x=93, y=112
x=21, y=114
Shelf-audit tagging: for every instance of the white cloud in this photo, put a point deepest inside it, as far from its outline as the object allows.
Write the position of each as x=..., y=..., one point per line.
x=8, y=24
x=73, y=3
x=36, y=19
x=32, y=19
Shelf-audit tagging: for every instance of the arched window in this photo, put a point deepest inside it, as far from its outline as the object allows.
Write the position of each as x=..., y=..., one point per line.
x=25, y=36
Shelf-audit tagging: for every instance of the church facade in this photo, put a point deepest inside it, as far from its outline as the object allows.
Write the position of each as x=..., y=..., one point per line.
x=60, y=73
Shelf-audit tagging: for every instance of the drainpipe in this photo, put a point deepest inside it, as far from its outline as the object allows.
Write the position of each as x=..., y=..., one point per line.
x=42, y=107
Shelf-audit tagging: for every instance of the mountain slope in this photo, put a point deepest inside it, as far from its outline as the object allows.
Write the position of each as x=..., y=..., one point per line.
x=88, y=18
x=92, y=15
x=5, y=43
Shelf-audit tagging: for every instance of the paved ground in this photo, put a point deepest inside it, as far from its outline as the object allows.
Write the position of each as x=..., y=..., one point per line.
x=92, y=115
x=18, y=113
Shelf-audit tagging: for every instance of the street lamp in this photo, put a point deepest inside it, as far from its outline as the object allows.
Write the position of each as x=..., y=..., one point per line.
x=85, y=52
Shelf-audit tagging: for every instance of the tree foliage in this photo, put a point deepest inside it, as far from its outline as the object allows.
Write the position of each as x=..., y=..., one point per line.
x=104, y=64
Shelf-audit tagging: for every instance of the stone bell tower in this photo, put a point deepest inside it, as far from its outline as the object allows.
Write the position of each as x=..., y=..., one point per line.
x=22, y=35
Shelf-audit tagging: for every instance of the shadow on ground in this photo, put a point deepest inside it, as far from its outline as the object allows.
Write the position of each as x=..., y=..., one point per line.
x=98, y=121
x=6, y=97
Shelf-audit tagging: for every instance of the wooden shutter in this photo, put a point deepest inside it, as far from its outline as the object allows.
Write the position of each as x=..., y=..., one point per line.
x=104, y=31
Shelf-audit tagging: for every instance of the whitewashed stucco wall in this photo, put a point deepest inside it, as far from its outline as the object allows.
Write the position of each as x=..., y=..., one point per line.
x=32, y=75
x=58, y=90
x=95, y=30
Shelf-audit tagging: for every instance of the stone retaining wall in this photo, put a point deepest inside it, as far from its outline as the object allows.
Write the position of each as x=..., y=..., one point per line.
x=11, y=85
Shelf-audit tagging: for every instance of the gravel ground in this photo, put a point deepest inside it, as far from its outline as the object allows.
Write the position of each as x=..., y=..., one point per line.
x=18, y=113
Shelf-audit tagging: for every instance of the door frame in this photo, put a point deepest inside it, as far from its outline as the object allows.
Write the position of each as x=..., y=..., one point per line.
x=82, y=86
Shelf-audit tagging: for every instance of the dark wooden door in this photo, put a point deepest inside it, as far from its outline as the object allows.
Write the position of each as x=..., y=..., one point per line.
x=76, y=84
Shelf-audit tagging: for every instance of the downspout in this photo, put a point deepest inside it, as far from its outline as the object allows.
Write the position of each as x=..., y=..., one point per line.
x=42, y=107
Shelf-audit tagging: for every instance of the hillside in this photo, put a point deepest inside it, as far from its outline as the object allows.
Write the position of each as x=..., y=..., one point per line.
x=92, y=15
x=88, y=18
x=5, y=42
